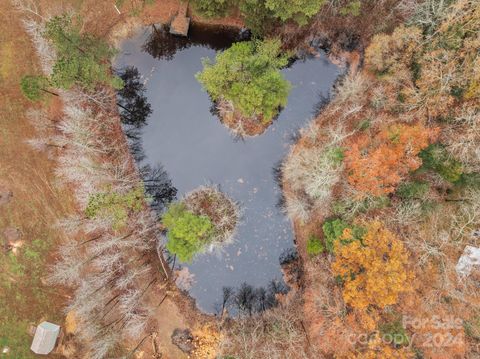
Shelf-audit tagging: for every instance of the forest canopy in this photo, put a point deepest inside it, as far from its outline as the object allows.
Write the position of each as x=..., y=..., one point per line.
x=248, y=76
x=81, y=59
x=254, y=10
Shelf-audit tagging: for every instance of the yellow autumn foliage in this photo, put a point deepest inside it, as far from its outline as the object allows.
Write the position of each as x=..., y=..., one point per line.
x=207, y=339
x=71, y=322
x=387, y=52
x=374, y=270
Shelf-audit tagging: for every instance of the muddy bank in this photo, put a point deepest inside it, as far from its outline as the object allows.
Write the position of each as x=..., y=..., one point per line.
x=161, y=14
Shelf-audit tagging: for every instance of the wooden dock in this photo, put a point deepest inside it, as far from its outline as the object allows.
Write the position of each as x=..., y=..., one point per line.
x=180, y=24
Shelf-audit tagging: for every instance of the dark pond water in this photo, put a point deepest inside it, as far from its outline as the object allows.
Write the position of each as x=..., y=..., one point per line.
x=196, y=149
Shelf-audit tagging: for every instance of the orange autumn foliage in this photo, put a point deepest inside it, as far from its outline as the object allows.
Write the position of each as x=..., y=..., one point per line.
x=207, y=339
x=376, y=165
x=374, y=270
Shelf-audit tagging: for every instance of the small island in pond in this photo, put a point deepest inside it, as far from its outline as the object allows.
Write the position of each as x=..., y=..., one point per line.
x=247, y=86
x=204, y=220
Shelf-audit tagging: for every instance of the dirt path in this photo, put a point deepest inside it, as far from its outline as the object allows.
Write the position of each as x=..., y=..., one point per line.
x=168, y=318
x=102, y=18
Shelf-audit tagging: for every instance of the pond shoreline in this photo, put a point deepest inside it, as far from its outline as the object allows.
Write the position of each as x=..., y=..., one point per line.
x=182, y=300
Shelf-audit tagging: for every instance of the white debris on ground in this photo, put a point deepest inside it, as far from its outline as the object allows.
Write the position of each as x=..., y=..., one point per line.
x=469, y=259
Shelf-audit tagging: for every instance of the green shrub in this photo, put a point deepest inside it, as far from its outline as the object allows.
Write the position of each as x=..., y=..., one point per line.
x=436, y=158
x=81, y=59
x=187, y=233
x=314, y=246
x=469, y=180
x=457, y=92
x=247, y=74
x=34, y=87
x=453, y=37
x=337, y=154
x=416, y=70
x=298, y=10
x=350, y=207
x=340, y=207
x=213, y=8
x=115, y=206
x=364, y=124
x=394, y=332
x=412, y=190
x=427, y=207
x=377, y=202
x=83, y=71
x=333, y=230
x=472, y=327
x=260, y=15
x=257, y=17
x=353, y=8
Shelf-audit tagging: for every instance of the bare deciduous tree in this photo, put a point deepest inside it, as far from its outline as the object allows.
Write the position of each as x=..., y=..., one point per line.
x=108, y=268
